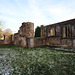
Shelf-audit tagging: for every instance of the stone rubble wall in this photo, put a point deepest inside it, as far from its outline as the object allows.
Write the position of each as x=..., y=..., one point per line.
x=60, y=42
x=58, y=39
x=55, y=41
x=7, y=40
x=39, y=41
x=1, y=42
x=25, y=35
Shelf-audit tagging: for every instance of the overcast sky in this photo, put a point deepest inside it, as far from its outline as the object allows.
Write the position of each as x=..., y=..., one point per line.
x=14, y=12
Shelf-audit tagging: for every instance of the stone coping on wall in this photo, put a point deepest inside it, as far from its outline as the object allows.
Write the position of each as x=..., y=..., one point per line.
x=63, y=22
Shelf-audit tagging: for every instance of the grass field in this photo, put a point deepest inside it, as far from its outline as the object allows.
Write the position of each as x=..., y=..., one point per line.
x=35, y=61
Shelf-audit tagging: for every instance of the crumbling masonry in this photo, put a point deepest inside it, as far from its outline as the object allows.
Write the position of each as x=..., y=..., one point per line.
x=58, y=34
x=25, y=35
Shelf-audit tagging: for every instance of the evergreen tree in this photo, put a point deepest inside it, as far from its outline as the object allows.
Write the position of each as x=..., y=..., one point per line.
x=38, y=32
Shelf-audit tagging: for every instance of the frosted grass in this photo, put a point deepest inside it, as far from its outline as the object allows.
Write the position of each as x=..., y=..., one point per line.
x=35, y=61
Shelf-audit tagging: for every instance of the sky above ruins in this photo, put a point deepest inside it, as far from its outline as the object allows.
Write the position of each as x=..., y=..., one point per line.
x=14, y=12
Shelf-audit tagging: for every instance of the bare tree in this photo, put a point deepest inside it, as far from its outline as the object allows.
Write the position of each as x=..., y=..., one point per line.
x=4, y=32
x=1, y=31
x=1, y=24
x=8, y=32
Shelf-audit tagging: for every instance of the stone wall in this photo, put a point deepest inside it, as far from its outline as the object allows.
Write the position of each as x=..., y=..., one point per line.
x=7, y=40
x=30, y=42
x=39, y=41
x=67, y=42
x=16, y=39
x=1, y=42
x=25, y=35
x=53, y=41
x=60, y=42
x=64, y=33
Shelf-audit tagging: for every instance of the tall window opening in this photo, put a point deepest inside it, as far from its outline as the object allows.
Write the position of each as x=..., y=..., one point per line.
x=52, y=31
x=66, y=31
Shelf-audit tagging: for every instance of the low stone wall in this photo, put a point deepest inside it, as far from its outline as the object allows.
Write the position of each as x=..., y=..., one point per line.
x=74, y=43
x=39, y=41
x=57, y=41
x=19, y=40
x=53, y=41
x=16, y=39
x=1, y=42
x=67, y=42
x=7, y=40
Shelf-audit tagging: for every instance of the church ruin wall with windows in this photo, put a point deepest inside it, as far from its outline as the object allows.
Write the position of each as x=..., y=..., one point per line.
x=58, y=34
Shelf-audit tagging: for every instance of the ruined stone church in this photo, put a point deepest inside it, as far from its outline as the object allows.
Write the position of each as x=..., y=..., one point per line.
x=58, y=34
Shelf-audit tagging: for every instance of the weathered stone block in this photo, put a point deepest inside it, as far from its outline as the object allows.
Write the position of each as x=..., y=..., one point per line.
x=23, y=41
x=66, y=42
x=30, y=42
x=8, y=39
x=74, y=43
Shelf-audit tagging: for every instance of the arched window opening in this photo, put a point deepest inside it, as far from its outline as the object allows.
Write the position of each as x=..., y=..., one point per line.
x=52, y=31
x=1, y=37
